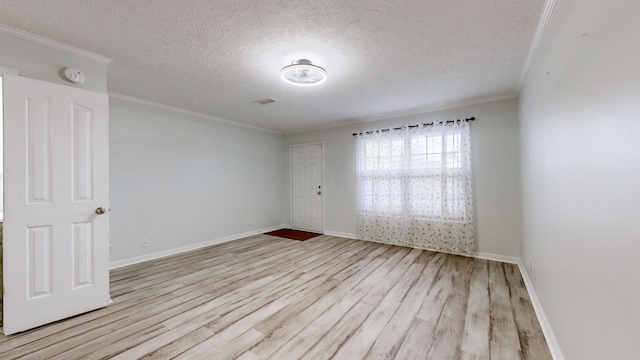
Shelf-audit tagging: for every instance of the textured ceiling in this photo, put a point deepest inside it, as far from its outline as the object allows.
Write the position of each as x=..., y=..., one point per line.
x=384, y=58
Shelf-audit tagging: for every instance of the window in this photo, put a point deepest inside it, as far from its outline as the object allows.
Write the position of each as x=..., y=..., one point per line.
x=417, y=167
x=410, y=176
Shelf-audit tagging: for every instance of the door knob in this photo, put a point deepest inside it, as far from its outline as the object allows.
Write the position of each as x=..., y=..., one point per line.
x=100, y=211
x=319, y=192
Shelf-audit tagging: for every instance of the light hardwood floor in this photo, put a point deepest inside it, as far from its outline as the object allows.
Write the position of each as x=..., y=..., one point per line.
x=264, y=297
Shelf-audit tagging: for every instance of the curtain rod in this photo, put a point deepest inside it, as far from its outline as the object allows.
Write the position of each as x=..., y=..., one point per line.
x=415, y=126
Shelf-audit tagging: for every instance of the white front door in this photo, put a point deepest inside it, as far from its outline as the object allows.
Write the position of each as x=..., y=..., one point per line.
x=306, y=185
x=56, y=184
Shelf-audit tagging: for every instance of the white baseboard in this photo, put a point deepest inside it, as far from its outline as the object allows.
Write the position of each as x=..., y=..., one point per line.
x=165, y=253
x=340, y=234
x=480, y=255
x=552, y=342
x=272, y=228
x=496, y=257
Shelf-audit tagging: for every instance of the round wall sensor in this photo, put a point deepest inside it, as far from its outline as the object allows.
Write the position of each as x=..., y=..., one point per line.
x=74, y=75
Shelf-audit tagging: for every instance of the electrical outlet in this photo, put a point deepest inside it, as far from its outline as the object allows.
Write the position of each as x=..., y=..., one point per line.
x=110, y=249
x=530, y=264
x=248, y=223
x=145, y=242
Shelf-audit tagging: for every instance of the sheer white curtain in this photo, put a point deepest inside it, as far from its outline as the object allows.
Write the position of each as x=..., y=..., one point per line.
x=414, y=187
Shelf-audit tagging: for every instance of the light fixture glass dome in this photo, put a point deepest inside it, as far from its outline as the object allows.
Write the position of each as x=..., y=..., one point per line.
x=303, y=73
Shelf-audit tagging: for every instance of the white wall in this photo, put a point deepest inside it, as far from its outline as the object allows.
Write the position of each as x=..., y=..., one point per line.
x=179, y=180
x=580, y=133
x=495, y=158
x=44, y=63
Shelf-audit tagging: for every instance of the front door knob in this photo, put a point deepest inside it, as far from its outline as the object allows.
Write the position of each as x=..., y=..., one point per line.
x=100, y=211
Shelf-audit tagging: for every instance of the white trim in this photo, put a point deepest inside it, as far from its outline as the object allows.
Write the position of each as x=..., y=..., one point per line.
x=430, y=109
x=537, y=39
x=479, y=255
x=324, y=215
x=496, y=257
x=170, y=252
x=41, y=40
x=485, y=256
x=340, y=234
x=185, y=111
x=8, y=71
x=552, y=342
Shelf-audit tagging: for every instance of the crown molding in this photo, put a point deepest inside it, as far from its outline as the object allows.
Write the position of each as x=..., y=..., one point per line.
x=8, y=71
x=426, y=110
x=41, y=40
x=187, y=112
x=537, y=39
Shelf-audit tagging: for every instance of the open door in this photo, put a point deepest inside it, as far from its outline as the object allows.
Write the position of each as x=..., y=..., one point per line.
x=56, y=180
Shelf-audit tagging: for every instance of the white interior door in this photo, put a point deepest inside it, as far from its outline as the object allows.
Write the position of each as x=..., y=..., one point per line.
x=306, y=183
x=56, y=242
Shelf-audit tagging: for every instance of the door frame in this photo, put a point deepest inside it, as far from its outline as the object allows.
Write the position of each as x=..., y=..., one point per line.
x=324, y=217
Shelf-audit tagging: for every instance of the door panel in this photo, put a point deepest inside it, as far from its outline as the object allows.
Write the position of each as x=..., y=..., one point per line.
x=56, y=247
x=39, y=266
x=81, y=153
x=307, y=189
x=38, y=150
x=82, y=254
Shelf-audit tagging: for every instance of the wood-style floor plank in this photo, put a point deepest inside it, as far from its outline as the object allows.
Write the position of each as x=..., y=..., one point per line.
x=532, y=340
x=450, y=325
x=504, y=340
x=264, y=297
x=477, y=324
x=393, y=334
x=358, y=344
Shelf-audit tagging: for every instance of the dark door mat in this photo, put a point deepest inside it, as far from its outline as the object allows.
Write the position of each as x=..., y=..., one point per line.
x=293, y=234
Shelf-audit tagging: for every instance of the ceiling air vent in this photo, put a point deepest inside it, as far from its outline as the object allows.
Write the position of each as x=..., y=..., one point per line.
x=264, y=101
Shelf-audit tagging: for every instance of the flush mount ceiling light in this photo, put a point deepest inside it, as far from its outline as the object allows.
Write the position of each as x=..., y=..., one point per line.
x=303, y=73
